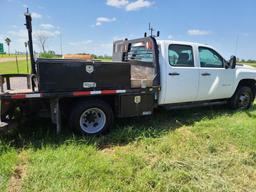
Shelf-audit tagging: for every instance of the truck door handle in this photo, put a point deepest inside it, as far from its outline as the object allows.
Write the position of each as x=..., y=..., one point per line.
x=205, y=74
x=174, y=74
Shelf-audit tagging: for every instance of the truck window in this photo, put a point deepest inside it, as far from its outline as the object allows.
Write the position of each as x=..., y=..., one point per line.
x=180, y=55
x=210, y=58
x=140, y=52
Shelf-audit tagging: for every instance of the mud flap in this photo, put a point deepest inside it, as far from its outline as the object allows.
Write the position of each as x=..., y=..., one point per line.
x=55, y=114
x=2, y=124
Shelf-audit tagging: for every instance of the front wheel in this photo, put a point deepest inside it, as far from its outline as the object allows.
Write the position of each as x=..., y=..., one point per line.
x=243, y=98
x=91, y=117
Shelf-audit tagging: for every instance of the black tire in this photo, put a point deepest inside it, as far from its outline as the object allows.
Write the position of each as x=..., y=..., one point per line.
x=242, y=99
x=8, y=116
x=92, y=117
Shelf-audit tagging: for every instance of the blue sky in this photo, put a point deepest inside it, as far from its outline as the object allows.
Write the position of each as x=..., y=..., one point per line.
x=92, y=25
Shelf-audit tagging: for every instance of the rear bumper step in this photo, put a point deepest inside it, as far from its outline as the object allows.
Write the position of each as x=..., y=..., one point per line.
x=3, y=124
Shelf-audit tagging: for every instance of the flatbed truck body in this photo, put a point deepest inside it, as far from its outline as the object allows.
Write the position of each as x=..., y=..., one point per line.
x=144, y=74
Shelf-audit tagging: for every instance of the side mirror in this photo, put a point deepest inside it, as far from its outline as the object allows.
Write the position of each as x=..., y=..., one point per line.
x=232, y=62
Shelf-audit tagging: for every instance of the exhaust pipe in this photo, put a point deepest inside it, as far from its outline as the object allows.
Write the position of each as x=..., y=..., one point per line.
x=30, y=41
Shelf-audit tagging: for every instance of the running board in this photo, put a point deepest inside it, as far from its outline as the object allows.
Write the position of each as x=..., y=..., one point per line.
x=194, y=104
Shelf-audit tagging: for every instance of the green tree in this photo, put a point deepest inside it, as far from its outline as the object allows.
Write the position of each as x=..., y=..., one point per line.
x=8, y=42
x=48, y=55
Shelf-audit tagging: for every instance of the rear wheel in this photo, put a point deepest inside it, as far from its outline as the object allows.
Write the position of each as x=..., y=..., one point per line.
x=91, y=117
x=243, y=98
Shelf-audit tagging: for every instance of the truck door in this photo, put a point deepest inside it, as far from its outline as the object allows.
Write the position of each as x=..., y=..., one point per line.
x=215, y=81
x=182, y=74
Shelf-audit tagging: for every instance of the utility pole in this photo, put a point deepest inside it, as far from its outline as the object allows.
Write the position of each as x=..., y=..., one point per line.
x=26, y=47
x=61, y=44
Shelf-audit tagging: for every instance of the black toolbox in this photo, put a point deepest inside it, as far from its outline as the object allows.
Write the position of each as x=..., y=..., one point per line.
x=61, y=75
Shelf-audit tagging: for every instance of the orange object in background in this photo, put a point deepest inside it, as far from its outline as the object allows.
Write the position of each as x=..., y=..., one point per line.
x=76, y=56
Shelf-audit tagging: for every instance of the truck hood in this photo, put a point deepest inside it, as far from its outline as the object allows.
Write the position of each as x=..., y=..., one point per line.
x=246, y=71
x=243, y=66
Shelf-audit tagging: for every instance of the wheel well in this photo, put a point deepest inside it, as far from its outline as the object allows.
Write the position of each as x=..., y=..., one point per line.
x=250, y=83
x=68, y=103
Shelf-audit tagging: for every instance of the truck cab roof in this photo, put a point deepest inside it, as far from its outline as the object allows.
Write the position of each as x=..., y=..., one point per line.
x=183, y=43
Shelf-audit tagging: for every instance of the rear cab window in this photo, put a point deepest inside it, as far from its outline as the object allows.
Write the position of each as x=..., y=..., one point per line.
x=181, y=55
x=140, y=52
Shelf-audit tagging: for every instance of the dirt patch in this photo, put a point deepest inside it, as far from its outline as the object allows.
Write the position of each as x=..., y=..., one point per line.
x=2, y=60
x=15, y=182
x=109, y=151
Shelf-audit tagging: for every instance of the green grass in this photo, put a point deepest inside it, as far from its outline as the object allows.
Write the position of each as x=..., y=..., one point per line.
x=11, y=67
x=251, y=64
x=8, y=159
x=106, y=60
x=10, y=56
x=204, y=149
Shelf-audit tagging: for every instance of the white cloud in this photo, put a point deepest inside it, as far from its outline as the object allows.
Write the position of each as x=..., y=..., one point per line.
x=139, y=4
x=56, y=32
x=117, y=3
x=198, y=32
x=47, y=26
x=22, y=33
x=19, y=36
x=89, y=46
x=36, y=15
x=46, y=33
x=1, y=37
x=25, y=5
x=102, y=20
x=130, y=6
x=80, y=43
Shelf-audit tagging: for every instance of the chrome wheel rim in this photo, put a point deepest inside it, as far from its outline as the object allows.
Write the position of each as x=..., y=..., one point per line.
x=92, y=120
x=244, y=100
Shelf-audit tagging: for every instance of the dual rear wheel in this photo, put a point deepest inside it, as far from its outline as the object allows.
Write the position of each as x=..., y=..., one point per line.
x=91, y=117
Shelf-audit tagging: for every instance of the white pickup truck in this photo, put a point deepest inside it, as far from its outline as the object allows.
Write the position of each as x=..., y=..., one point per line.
x=144, y=75
x=192, y=72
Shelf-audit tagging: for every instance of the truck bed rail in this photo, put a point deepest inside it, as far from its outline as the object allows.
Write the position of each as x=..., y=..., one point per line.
x=34, y=95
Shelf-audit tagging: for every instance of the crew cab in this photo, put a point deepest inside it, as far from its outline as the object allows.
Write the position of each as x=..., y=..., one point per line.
x=192, y=72
x=145, y=74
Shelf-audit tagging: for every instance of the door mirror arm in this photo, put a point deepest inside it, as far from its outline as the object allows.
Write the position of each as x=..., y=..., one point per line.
x=226, y=65
x=232, y=62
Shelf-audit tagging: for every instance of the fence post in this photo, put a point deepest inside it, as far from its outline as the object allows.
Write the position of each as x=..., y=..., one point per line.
x=17, y=65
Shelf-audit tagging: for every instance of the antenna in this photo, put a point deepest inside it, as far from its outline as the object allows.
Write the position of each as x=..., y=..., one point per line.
x=237, y=40
x=151, y=31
